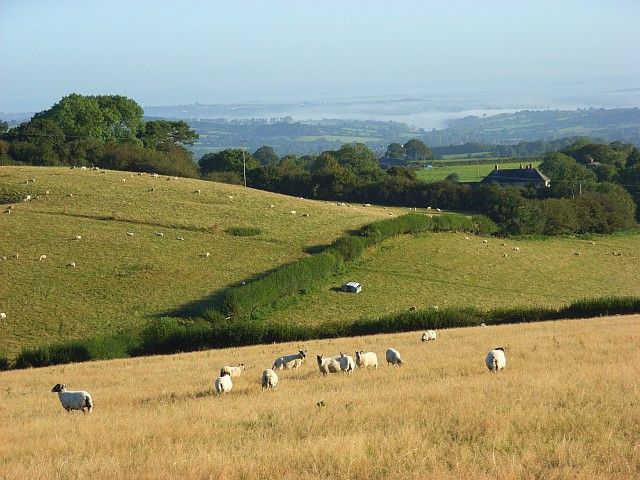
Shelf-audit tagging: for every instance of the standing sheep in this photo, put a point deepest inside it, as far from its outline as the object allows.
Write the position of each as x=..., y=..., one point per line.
x=496, y=359
x=232, y=371
x=429, y=335
x=73, y=400
x=223, y=384
x=328, y=365
x=347, y=365
x=393, y=357
x=289, y=362
x=366, y=359
x=269, y=379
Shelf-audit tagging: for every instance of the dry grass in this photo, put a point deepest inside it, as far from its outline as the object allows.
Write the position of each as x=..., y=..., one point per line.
x=121, y=280
x=566, y=407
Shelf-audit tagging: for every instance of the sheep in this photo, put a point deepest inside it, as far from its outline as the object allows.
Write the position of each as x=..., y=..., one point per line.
x=293, y=212
x=3, y=316
x=272, y=206
x=483, y=324
x=197, y=192
x=180, y=238
x=347, y=365
x=305, y=214
x=232, y=371
x=366, y=360
x=73, y=400
x=367, y=204
x=434, y=307
x=8, y=210
x=485, y=241
x=130, y=234
x=269, y=379
x=429, y=335
x=516, y=249
x=71, y=264
x=207, y=255
x=393, y=357
x=223, y=384
x=328, y=365
x=77, y=238
x=42, y=257
x=438, y=210
x=47, y=192
x=289, y=362
x=159, y=234
x=496, y=359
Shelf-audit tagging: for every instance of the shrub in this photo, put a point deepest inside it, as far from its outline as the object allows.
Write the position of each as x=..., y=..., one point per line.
x=243, y=231
x=5, y=363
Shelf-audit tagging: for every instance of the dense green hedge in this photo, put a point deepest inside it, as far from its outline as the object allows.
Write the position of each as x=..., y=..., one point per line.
x=172, y=335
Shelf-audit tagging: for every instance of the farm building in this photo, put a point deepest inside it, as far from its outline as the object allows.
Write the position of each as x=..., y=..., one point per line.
x=522, y=176
x=352, y=287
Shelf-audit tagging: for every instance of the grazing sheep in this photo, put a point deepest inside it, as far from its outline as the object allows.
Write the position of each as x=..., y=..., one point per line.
x=496, y=359
x=466, y=238
x=516, y=249
x=198, y=191
x=367, y=204
x=223, y=384
x=230, y=197
x=293, y=212
x=27, y=198
x=485, y=241
x=366, y=359
x=159, y=234
x=269, y=379
x=592, y=243
x=483, y=324
x=130, y=234
x=289, y=362
x=305, y=214
x=429, y=335
x=71, y=264
x=576, y=253
x=428, y=208
x=4, y=257
x=3, y=316
x=73, y=400
x=8, y=210
x=232, y=371
x=180, y=238
x=207, y=255
x=42, y=257
x=77, y=237
x=272, y=206
x=328, y=365
x=434, y=307
x=347, y=365
x=47, y=192
x=393, y=357
x=15, y=256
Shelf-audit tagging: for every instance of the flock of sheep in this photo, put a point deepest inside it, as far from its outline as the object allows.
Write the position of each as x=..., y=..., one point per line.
x=495, y=361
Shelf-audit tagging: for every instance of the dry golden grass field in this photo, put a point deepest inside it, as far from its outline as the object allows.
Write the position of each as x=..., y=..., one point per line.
x=567, y=406
x=120, y=280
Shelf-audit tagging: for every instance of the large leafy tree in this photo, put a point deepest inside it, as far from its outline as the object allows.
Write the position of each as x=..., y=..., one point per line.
x=416, y=150
x=566, y=174
x=395, y=153
x=359, y=159
x=266, y=156
x=229, y=160
x=165, y=134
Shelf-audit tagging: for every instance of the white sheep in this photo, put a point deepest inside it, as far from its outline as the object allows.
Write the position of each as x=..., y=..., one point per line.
x=485, y=241
x=232, y=370
x=207, y=255
x=293, y=212
x=130, y=234
x=73, y=400
x=347, y=365
x=429, y=335
x=223, y=384
x=159, y=234
x=71, y=264
x=42, y=257
x=289, y=362
x=328, y=365
x=3, y=316
x=77, y=238
x=269, y=379
x=516, y=249
x=496, y=359
x=483, y=324
x=180, y=238
x=366, y=359
x=393, y=357
x=197, y=191
x=434, y=307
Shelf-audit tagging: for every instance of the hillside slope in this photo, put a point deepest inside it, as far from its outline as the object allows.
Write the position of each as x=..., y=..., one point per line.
x=565, y=407
x=120, y=280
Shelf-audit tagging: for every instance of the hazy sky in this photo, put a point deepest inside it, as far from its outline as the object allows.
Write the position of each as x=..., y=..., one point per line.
x=171, y=52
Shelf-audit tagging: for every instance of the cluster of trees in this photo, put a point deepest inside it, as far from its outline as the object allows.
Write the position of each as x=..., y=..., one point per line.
x=102, y=130
x=577, y=201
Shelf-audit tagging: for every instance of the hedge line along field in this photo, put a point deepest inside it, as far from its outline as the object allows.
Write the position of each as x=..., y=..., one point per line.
x=467, y=173
x=458, y=269
x=121, y=280
x=565, y=407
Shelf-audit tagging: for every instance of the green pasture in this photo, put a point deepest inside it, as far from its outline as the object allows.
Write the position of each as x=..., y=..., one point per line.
x=467, y=173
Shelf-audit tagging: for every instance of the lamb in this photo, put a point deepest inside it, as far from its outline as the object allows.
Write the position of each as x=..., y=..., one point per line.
x=289, y=362
x=269, y=379
x=496, y=359
x=328, y=365
x=429, y=335
x=223, y=384
x=347, y=365
x=232, y=371
x=73, y=400
x=393, y=357
x=366, y=360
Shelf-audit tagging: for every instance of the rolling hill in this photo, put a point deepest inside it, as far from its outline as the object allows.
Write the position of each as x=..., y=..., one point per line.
x=121, y=280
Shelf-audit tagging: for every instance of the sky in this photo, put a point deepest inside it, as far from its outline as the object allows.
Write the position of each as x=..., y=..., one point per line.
x=179, y=52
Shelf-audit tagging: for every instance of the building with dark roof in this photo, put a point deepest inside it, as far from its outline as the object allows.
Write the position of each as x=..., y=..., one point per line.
x=520, y=177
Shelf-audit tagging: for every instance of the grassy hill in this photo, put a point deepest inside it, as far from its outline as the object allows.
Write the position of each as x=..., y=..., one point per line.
x=121, y=280
x=565, y=407
x=447, y=269
x=468, y=173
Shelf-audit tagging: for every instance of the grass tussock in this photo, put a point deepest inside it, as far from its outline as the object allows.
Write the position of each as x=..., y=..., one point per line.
x=565, y=407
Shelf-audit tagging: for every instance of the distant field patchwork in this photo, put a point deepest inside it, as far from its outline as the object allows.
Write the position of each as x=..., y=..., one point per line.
x=466, y=173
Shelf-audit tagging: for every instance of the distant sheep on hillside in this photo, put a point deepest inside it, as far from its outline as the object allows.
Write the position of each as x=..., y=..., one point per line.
x=232, y=371
x=71, y=400
x=429, y=335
